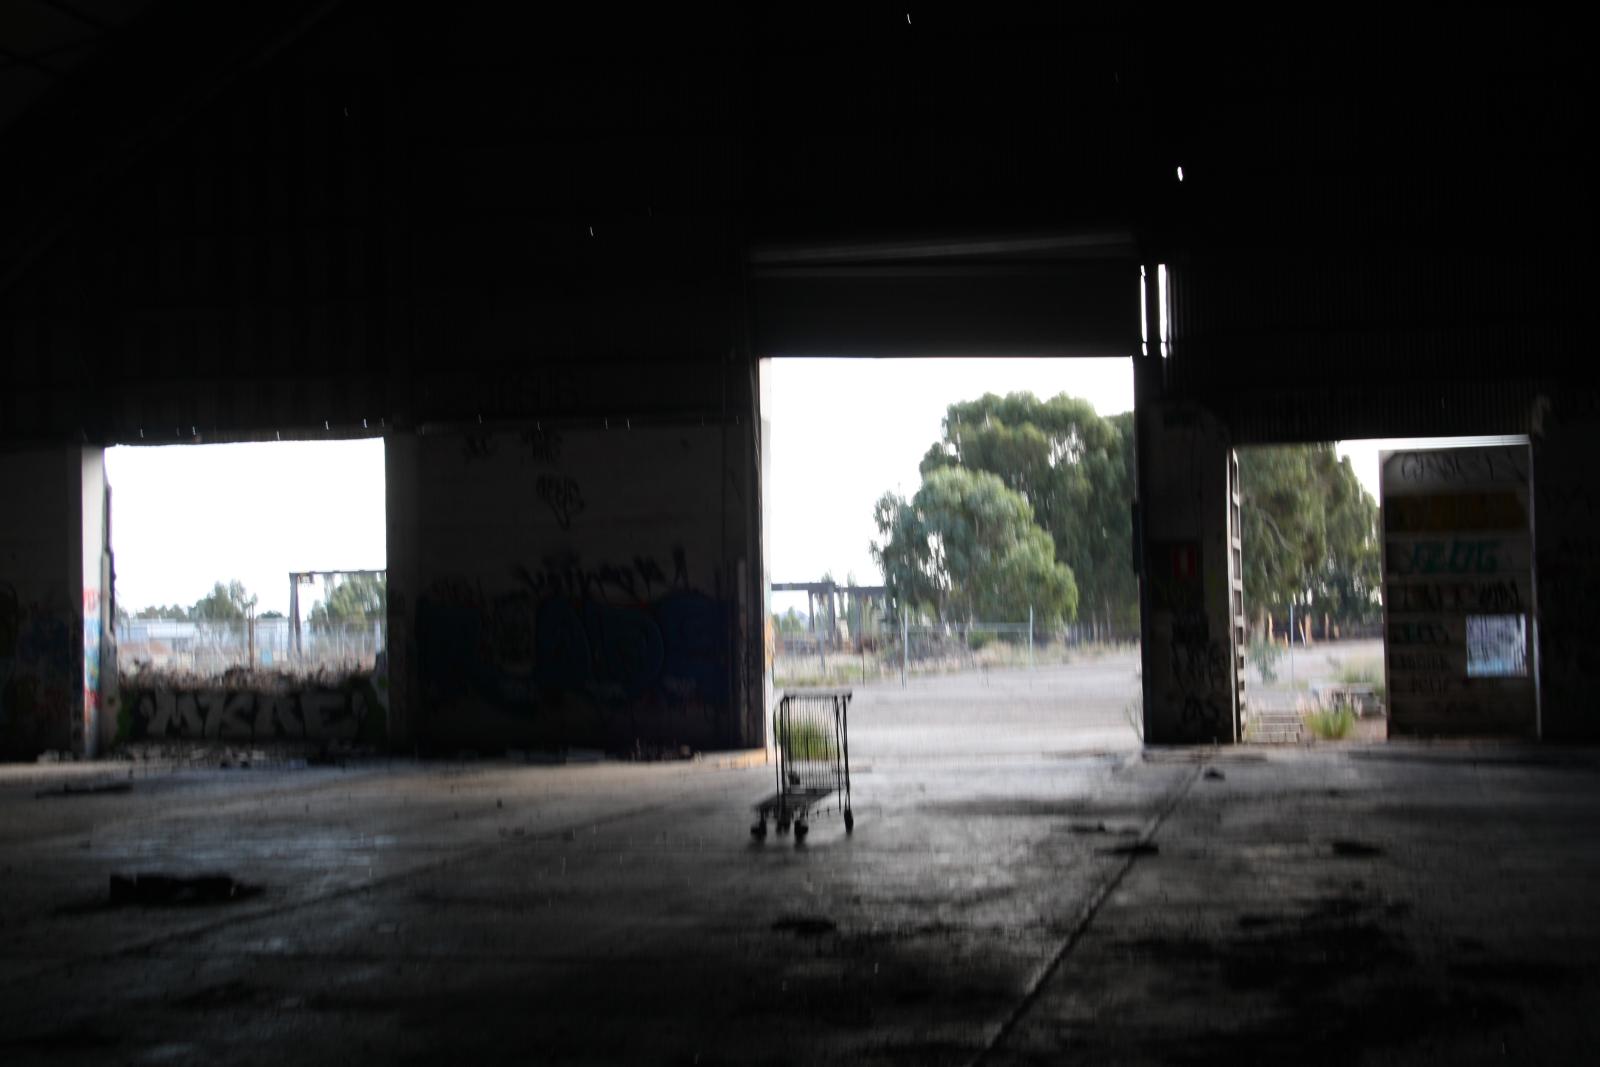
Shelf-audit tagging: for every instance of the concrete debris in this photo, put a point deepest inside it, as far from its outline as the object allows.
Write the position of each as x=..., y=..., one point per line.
x=1214, y=774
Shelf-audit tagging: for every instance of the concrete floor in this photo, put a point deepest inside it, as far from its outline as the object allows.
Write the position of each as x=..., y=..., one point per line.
x=1334, y=904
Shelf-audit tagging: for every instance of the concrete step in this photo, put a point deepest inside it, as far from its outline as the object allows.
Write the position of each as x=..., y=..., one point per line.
x=1274, y=726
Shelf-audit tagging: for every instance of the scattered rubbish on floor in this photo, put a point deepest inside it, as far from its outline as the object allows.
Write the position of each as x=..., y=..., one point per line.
x=176, y=891
x=1355, y=849
x=1133, y=848
x=805, y=925
x=92, y=789
x=1214, y=774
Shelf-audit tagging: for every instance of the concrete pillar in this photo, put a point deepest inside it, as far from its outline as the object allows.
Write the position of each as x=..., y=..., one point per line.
x=587, y=586
x=1566, y=549
x=95, y=730
x=402, y=532
x=52, y=609
x=1186, y=569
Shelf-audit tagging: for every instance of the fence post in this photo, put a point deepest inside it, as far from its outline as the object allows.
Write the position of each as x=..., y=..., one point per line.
x=905, y=648
x=1030, y=637
x=1291, y=644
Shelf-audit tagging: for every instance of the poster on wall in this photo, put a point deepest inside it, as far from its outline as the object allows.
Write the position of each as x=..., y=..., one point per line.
x=1458, y=592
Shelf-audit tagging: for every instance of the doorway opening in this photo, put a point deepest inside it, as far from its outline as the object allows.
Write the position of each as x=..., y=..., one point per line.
x=951, y=538
x=1338, y=610
x=249, y=593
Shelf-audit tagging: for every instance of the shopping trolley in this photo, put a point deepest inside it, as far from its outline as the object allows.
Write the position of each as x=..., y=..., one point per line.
x=812, y=731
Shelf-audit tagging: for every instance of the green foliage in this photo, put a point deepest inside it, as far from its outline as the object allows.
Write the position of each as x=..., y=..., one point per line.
x=1332, y=725
x=360, y=598
x=225, y=603
x=1264, y=656
x=1310, y=533
x=170, y=611
x=978, y=640
x=807, y=740
x=862, y=614
x=1074, y=468
x=966, y=547
x=1310, y=529
x=790, y=624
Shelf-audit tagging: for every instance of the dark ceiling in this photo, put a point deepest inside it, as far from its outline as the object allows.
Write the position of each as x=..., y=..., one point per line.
x=873, y=117
x=514, y=184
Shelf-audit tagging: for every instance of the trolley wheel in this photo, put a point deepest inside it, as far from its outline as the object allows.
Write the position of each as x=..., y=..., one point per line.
x=759, y=830
x=800, y=831
x=849, y=821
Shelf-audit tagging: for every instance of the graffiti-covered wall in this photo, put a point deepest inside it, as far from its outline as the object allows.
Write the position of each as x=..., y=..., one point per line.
x=1189, y=566
x=1458, y=592
x=41, y=618
x=160, y=707
x=574, y=587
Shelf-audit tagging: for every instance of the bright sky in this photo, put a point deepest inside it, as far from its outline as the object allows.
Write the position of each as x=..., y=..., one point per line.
x=844, y=431
x=184, y=517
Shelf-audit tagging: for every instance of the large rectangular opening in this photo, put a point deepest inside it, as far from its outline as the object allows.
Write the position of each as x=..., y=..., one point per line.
x=951, y=538
x=249, y=592
x=1359, y=593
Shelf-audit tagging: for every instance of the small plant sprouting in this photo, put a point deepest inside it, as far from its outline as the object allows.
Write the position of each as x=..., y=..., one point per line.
x=1333, y=724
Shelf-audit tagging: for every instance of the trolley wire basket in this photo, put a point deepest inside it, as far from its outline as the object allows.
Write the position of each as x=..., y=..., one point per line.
x=812, y=731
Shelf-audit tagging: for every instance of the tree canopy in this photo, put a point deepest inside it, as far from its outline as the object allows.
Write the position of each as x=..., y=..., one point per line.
x=225, y=603
x=1028, y=500
x=1074, y=468
x=966, y=547
x=1310, y=533
x=175, y=612
x=360, y=598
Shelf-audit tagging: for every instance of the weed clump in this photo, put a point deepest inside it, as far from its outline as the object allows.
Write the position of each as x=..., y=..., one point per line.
x=1333, y=724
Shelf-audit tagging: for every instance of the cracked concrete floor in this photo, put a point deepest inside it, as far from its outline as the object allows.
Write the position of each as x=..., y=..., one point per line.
x=1382, y=904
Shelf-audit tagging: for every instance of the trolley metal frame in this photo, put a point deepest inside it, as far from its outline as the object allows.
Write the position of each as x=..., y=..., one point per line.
x=812, y=730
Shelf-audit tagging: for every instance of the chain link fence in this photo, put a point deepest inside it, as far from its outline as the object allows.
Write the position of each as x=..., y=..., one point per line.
x=813, y=659
x=213, y=647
